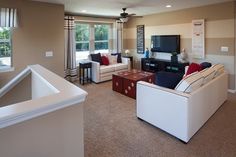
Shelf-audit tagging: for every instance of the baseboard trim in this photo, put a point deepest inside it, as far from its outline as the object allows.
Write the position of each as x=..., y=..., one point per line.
x=231, y=91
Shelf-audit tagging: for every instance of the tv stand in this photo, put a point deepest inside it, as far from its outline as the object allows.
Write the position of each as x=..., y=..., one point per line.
x=155, y=65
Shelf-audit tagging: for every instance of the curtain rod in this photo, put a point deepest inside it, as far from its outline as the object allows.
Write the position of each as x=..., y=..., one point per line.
x=89, y=15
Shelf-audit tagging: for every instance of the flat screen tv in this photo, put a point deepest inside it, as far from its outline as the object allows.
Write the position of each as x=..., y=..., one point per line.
x=165, y=43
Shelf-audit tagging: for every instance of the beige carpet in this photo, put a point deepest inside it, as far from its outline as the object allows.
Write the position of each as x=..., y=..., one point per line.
x=113, y=130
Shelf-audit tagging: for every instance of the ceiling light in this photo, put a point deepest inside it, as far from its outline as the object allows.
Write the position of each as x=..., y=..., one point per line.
x=168, y=6
x=124, y=19
x=84, y=11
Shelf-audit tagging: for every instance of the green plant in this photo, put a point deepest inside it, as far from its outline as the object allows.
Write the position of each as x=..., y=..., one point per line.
x=174, y=53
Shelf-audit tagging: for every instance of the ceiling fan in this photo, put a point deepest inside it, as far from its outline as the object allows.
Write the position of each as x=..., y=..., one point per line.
x=124, y=17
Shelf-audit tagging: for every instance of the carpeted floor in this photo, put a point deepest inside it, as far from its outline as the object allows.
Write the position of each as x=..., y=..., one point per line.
x=113, y=130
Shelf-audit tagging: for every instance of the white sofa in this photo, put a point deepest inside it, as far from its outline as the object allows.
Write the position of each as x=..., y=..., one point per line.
x=102, y=73
x=180, y=113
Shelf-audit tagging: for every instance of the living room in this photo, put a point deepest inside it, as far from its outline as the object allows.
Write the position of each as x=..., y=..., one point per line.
x=111, y=127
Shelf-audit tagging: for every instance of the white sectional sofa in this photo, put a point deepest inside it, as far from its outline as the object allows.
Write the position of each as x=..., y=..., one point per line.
x=102, y=73
x=183, y=111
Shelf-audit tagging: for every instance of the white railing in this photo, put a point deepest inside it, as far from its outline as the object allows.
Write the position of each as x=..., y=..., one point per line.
x=49, y=92
x=14, y=81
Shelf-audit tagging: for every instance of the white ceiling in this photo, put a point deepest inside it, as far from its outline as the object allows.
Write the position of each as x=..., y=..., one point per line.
x=139, y=7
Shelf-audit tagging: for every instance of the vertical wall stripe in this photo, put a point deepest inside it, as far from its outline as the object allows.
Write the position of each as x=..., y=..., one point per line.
x=220, y=32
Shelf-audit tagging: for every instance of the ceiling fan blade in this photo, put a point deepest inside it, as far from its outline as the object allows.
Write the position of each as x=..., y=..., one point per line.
x=124, y=16
x=131, y=15
x=138, y=16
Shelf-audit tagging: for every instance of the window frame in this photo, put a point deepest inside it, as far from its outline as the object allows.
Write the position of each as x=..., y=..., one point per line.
x=10, y=66
x=78, y=42
x=92, y=36
x=101, y=41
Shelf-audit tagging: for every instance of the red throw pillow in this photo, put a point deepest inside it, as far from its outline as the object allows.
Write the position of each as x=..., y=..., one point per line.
x=105, y=60
x=193, y=67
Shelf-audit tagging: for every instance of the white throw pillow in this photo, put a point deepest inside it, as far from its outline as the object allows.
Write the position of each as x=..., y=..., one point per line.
x=112, y=59
x=190, y=83
x=208, y=74
x=219, y=69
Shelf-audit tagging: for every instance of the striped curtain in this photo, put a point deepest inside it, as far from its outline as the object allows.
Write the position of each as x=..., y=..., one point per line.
x=70, y=59
x=119, y=27
x=8, y=17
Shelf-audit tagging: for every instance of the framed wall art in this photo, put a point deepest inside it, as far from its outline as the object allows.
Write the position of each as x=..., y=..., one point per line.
x=140, y=39
x=198, y=39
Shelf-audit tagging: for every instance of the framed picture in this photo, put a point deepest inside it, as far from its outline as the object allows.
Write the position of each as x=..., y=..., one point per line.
x=198, y=39
x=140, y=39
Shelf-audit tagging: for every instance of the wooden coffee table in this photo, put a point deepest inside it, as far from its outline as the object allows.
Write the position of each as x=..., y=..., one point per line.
x=125, y=82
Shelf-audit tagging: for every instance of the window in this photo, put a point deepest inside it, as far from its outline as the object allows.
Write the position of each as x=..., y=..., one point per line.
x=82, y=41
x=5, y=47
x=101, y=38
x=91, y=38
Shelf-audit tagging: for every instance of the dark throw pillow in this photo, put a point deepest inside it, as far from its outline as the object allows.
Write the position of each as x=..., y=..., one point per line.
x=205, y=65
x=168, y=79
x=96, y=57
x=119, y=58
x=105, y=60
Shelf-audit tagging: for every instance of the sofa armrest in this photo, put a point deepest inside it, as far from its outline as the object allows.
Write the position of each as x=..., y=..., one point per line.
x=126, y=61
x=95, y=71
x=205, y=101
x=164, y=108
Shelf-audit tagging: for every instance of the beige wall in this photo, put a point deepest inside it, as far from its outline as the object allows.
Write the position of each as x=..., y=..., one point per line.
x=41, y=28
x=21, y=92
x=56, y=134
x=219, y=31
x=235, y=42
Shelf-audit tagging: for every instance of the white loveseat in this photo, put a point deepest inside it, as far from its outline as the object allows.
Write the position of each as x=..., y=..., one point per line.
x=102, y=73
x=181, y=113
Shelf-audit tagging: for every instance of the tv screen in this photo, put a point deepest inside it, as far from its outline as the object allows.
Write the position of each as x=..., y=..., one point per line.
x=165, y=43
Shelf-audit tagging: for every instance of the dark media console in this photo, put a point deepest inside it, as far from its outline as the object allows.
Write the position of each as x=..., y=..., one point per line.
x=155, y=65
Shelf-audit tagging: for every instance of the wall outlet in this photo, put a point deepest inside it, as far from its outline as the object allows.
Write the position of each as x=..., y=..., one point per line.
x=48, y=53
x=224, y=49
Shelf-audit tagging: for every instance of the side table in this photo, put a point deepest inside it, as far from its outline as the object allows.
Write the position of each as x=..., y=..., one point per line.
x=130, y=58
x=84, y=68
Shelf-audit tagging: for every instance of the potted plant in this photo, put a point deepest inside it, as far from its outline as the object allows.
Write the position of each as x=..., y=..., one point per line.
x=174, y=57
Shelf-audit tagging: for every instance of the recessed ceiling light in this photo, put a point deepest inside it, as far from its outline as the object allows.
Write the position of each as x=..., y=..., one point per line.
x=168, y=6
x=84, y=11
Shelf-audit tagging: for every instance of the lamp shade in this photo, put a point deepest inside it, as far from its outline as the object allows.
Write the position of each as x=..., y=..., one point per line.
x=127, y=51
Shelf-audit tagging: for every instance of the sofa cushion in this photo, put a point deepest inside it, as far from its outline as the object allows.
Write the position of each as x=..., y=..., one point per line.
x=167, y=79
x=96, y=58
x=106, y=74
x=208, y=74
x=219, y=69
x=107, y=69
x=120, y=66
x=190, y=83
x=105, y=60
x=193, y=67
